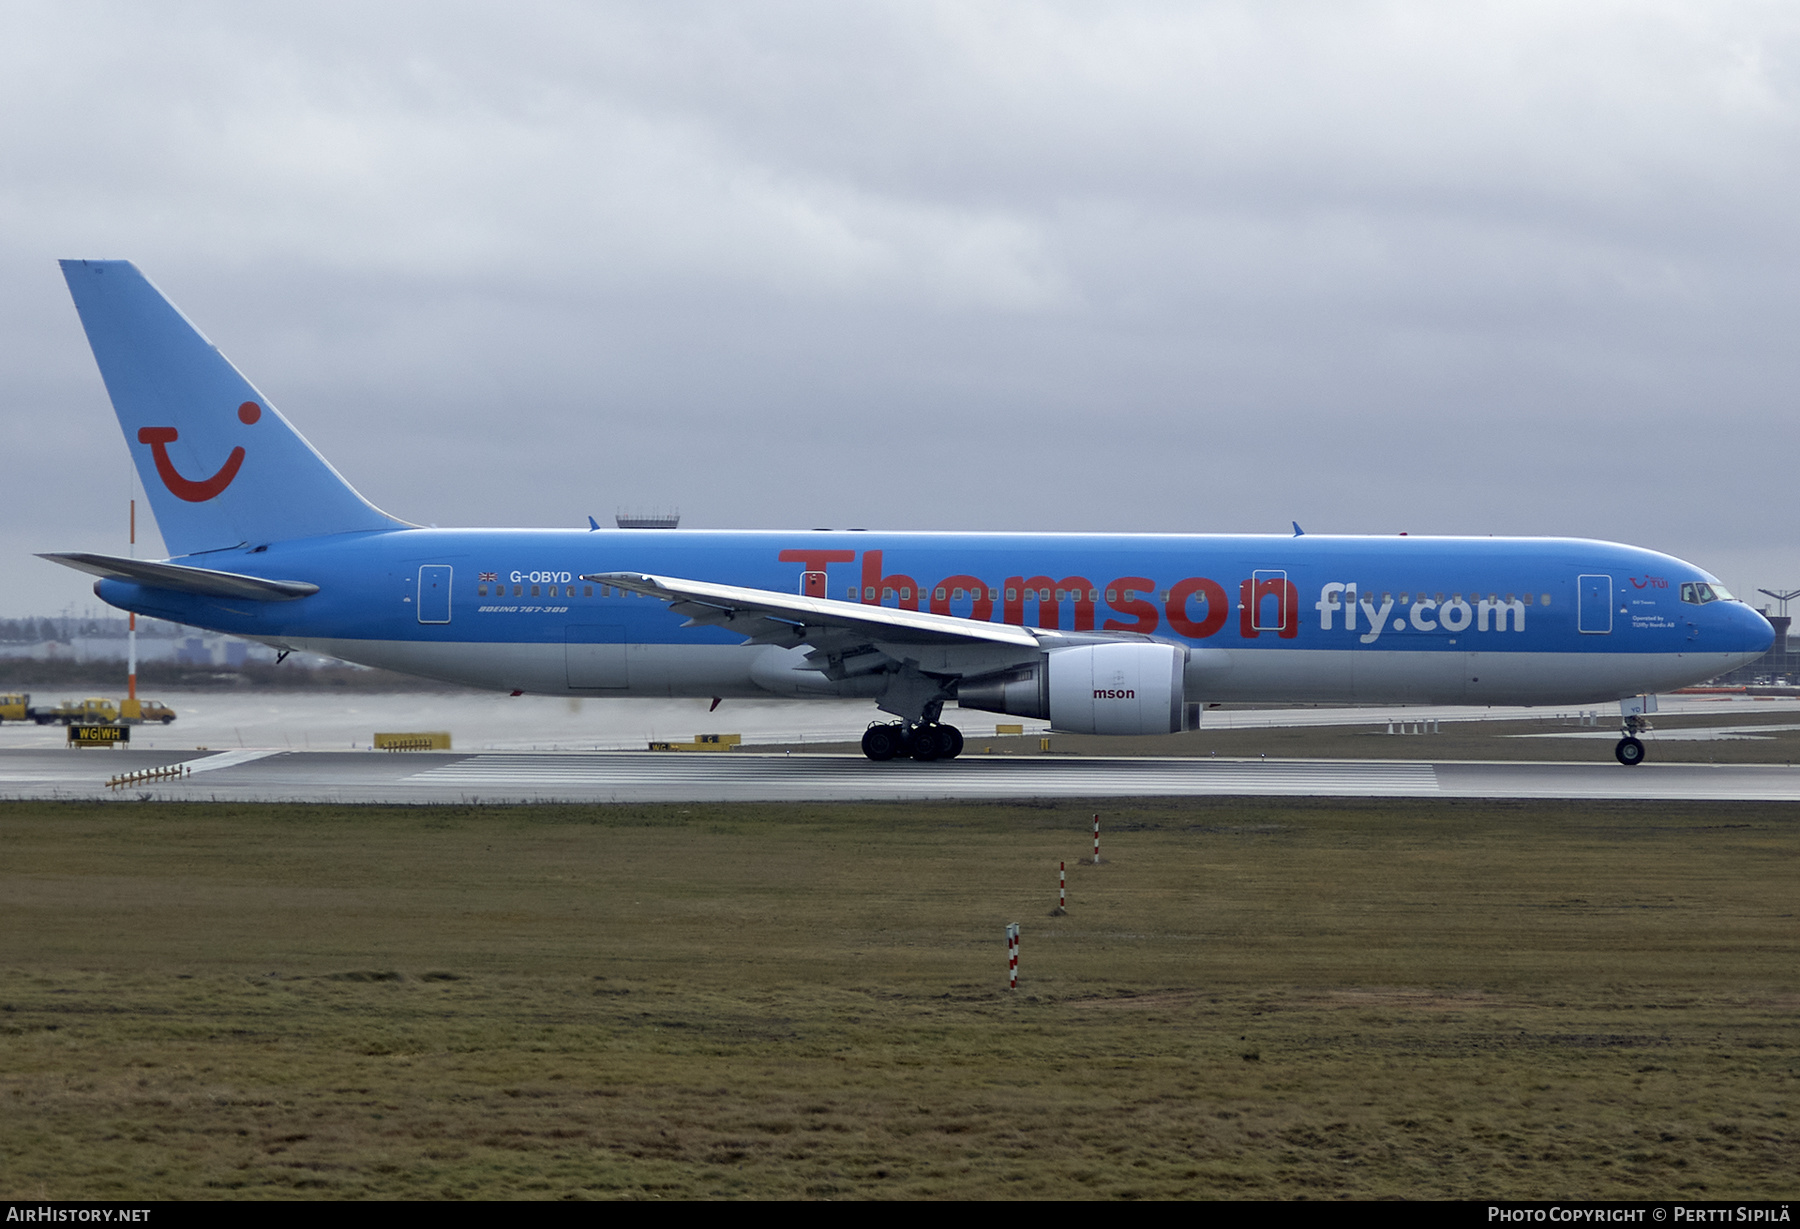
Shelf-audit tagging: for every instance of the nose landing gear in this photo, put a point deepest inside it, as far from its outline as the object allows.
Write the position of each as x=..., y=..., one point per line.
x=1630, y=751
x=1634, y=712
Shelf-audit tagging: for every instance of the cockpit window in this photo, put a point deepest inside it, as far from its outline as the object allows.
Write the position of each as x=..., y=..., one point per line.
x=1696, y=593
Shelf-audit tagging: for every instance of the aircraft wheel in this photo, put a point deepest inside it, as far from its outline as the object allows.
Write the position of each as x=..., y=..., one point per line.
x=928, y=743
x=881, y=742
x=1630, y=752
x=952, y=742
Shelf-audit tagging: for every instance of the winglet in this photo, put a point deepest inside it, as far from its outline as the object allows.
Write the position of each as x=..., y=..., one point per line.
x=592, y=524
x=1299, y=532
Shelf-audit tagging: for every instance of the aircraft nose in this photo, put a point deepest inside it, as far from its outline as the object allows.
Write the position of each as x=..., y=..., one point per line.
x=1750, y=632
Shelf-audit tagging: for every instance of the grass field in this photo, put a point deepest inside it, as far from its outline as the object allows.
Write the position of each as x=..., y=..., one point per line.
x=1313, y=999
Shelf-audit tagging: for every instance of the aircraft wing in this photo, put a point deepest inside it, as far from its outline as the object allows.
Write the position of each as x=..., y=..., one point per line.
x=767, y=617
x=184, y=579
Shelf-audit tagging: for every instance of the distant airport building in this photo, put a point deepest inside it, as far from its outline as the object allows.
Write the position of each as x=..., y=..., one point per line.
x=105, y=640
x=1779, y=667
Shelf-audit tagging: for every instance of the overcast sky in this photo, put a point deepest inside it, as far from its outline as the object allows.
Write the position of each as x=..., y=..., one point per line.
x=1520, y=268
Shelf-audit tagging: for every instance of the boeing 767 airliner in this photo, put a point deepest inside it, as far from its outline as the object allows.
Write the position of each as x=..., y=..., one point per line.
x=1095, y=633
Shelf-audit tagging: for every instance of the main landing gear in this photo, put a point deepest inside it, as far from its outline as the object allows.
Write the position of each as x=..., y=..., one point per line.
x=922, y=741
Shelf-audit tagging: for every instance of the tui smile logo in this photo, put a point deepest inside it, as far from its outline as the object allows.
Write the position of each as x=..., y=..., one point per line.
x=159, y=439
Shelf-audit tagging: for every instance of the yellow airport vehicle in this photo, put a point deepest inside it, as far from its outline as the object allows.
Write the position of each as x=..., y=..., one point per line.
x=133, y=712
x=95, y=710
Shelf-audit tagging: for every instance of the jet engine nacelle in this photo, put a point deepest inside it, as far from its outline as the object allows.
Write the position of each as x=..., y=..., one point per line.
x=1091, y=689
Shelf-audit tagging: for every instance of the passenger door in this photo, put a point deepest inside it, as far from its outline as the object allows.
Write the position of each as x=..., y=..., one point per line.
x=1596, y=604
x=433, y=603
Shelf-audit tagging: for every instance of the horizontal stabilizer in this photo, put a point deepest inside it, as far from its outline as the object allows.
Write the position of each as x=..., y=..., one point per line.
x=184, y=579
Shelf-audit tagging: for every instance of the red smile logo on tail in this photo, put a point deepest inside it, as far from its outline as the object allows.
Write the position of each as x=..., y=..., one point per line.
x=159, y=438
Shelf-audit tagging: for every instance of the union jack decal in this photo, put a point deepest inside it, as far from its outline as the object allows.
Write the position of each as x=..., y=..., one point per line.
x=486, y=576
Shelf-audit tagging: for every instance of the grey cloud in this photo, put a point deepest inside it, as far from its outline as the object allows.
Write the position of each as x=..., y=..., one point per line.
x=1513, y=268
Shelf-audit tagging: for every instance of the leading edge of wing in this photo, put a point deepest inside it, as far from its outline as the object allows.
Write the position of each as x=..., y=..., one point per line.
x=882, y=622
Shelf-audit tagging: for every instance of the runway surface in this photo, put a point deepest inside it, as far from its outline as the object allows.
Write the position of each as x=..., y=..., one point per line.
x=426, y=777
x=327, y=721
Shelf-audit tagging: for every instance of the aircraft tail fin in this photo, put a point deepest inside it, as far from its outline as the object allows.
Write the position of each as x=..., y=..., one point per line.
x=220, y=465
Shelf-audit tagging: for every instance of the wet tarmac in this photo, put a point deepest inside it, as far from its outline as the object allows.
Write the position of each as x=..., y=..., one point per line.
x=269, y=775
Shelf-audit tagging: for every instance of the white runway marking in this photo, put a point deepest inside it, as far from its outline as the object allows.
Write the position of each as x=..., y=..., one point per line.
x=228, y=759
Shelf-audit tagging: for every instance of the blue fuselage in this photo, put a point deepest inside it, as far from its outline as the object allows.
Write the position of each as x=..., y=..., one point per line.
x=1344, y=619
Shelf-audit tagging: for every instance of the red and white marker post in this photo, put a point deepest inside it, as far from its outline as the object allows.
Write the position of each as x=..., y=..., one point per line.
x=1012, y=955
x=1062, y=886
x=1096, y=840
